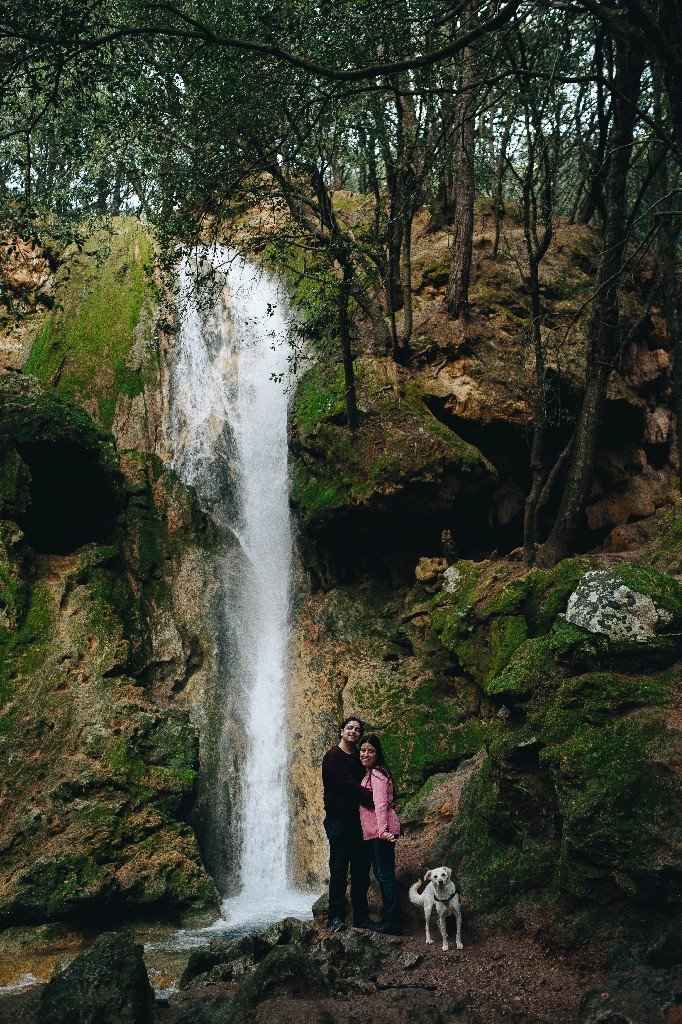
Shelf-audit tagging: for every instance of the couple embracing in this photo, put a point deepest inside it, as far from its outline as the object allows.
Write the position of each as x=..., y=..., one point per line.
x=361, y=826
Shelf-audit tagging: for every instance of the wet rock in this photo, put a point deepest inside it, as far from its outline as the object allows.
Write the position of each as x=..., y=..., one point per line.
x=107, y=984
x=222, y=961
x=289, y=929
x=285, y=971
x=626, y=604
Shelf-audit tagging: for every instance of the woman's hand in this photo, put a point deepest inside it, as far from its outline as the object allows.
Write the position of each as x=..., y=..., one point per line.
x=388, y=837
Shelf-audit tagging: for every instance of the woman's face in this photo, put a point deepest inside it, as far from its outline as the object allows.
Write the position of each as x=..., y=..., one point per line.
x=368, y=755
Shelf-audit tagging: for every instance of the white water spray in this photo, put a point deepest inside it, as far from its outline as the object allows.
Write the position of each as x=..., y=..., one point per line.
x=230, y=414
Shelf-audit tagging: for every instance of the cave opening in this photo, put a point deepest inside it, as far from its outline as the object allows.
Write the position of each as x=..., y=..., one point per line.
x=74, y=499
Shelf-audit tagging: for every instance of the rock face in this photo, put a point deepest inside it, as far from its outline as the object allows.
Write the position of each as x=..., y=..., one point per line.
x=107, y=579
x=360, y=498
x=107, y=984
x=535, y=756
x=604, y=603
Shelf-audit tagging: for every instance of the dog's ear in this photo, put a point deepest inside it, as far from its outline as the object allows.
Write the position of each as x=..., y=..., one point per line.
x=427, y=876
x=449, y=871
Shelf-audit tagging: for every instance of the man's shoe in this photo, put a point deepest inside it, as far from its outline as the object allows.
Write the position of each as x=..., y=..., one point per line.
x=336, y=924
x=365, y=923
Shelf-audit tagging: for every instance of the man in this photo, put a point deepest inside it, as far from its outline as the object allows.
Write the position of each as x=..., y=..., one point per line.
x=341, y=777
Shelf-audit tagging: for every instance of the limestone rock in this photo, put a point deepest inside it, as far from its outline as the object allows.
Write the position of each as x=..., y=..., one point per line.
x=604, y=603
x=451, y=579
x=429, y=569
x=107, y=984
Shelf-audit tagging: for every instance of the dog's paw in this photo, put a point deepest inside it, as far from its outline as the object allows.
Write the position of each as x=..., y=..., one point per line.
x=445, y=947
x=460, y=945
x=429, y=942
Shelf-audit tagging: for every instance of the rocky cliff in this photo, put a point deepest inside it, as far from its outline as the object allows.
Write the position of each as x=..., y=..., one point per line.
x=106, y=586
x=531, y=717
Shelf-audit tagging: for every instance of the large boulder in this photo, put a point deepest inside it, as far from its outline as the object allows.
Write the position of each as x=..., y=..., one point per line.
x=626, y=604
x=107, y=984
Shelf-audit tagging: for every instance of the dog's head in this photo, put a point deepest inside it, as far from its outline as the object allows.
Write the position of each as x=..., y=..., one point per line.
x=439, y=876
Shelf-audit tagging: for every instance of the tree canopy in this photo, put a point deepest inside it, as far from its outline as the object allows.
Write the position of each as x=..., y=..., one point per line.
x=194, y=113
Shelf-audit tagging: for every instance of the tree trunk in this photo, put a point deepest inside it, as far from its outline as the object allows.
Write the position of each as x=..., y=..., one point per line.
x=346, y=348
x=464, y=190
x=500, y=173
x=603, y=328
x=406, y=283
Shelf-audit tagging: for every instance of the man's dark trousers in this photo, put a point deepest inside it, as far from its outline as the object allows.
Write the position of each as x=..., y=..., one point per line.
x=347, y=849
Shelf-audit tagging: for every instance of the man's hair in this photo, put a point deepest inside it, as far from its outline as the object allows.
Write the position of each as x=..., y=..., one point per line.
x=353, y=718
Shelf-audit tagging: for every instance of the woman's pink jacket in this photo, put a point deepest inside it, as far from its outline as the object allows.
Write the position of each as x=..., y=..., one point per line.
x=383, y=819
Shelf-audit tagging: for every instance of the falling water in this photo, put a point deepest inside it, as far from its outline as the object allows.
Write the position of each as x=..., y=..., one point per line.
x=230, y=431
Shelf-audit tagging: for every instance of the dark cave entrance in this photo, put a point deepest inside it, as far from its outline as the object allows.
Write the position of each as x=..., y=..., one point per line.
x=74, y=499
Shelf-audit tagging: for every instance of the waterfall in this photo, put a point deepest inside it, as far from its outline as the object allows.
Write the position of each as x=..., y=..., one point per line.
x=229, y=427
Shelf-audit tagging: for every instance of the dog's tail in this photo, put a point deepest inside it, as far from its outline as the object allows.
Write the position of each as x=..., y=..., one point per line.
x=415, y=896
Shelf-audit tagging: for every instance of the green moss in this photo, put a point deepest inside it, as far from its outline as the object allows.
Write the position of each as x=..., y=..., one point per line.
x=54, y=887
x=15, y=480
x=24, y=649
x=595, y=698
x=542, y=660
x=83, y=348
x=507, y=633
x=124, y=761
x=502, y=853
x=313, y=495
x=614, y=804
x=482, y=648
x=665, y=591
x=398, y=443
x=319, y=396
x=430, y=738
x=450, y=615
x=540, y=595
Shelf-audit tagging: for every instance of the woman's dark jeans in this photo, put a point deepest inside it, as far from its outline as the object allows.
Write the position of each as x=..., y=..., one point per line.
x=383, y=865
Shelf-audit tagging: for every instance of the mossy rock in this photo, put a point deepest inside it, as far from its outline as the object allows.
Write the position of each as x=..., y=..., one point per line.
x=72, y=476
x=596, y=699
x=105, y=295
x=540, y=661
x=630, y=604
x=540, y=595
x=56, y=887
x=107, y=983
x=13, y=586
x=31, y=414
x=504, y=839
x=620, y=811
x=399, y=444
x=15, y=483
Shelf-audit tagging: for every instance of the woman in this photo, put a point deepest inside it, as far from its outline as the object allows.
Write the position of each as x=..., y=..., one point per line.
x=381, y=828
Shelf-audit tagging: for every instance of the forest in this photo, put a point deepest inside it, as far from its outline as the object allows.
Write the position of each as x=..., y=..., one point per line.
x=446, y=235
x=189, y=115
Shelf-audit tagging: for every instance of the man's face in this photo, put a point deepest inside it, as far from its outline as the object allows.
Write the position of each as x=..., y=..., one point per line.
x=351, y=732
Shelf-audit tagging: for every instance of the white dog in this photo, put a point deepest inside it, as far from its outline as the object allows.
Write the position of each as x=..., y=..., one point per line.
x=441, y=893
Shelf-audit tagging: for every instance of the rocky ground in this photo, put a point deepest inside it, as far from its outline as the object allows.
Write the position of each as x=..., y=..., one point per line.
x=311, y=977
